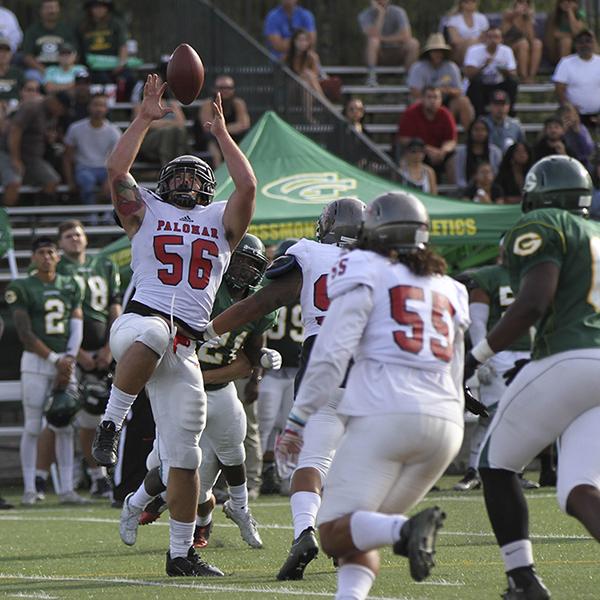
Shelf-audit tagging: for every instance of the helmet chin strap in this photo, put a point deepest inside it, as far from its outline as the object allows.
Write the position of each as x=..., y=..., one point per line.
x=183, y=200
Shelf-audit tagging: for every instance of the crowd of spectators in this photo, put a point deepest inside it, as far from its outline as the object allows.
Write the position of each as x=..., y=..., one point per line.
x=464, y=77
x=468, y=74
x=57, y=80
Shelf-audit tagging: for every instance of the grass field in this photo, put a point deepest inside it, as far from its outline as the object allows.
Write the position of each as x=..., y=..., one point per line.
x=73, y=553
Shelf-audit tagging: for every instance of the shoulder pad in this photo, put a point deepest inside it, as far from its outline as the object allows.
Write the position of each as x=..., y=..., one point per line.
x=282, y=265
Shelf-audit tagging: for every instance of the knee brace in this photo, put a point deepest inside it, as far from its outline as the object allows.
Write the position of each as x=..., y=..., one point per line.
x=187, y=458
x=232, y=456
x=156, y=336
x=33, y=424
x=153, y=332
x=32, y=419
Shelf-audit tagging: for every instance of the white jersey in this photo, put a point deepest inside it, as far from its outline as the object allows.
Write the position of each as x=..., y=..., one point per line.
x=178, y=258
x=414, y=318
x=315, y=260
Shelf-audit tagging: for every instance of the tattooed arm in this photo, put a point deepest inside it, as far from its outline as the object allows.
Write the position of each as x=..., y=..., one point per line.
x=125, y=193
x=30, y=341
x=128, y=202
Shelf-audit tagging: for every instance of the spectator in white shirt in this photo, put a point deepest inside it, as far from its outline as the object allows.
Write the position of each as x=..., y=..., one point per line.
x=465, y=27
x=10, y=28
x=490, y=66
x=87, y=145
x=577, y=78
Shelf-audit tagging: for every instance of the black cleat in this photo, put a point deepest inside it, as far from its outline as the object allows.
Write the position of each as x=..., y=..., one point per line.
x=547, y=478
x=524, y=584
x=271, y=484
x=40, y=487
x=417, y=541
x=190, y=566
x=527, y=484
x=105, y=444
x=101, y=488
x=470, y=481
x=4, y=505
x=303, y=550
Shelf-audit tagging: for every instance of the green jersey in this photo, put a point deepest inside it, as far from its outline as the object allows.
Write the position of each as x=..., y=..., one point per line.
x=213, y=355
x=49, y=306
x=100, y=279
x=494, y=280
x=572, y=320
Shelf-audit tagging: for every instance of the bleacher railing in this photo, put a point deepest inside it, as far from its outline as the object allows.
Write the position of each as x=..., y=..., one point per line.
x=263, y=83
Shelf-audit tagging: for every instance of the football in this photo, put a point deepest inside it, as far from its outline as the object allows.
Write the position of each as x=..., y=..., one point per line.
x=185, y=74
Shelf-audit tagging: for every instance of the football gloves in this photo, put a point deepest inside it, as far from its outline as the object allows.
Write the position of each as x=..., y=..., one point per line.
x=270, y=359
x=209, y=333
x=515, y=370
x=471, y=364
x=473, y=405
x=486, y=374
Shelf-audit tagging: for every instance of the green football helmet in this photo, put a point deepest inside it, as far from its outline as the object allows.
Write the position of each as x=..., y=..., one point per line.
x=62, y=406
x=558, y=182
x=248, y=263
x=95, y=390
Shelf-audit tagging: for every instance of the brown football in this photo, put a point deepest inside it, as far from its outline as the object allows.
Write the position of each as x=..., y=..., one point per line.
x=185, y=74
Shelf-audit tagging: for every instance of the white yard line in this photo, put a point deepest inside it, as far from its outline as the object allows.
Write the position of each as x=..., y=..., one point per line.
x=29, y=516
x=189, y=586
x=38, y=596
x=433, y=498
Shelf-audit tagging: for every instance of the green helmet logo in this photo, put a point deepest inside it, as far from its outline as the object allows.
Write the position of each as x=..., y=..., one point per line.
x=558, y=181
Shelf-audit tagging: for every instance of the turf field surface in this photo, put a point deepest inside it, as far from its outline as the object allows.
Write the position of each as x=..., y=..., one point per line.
x=57, y=552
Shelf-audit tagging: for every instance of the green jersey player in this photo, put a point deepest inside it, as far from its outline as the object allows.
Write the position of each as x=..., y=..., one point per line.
x=490, y=294
x=100, y=280
x=552, y=256
x=102, y=293
x=46, y=308
x=224, y=359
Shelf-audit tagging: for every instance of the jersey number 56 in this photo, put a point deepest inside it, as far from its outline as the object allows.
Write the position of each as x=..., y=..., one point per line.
x=199, y=269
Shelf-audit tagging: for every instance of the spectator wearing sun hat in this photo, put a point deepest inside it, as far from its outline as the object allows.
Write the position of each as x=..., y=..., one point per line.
x=434, y=67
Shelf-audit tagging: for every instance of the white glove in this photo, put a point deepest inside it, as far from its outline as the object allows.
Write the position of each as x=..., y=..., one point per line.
x=486, y=374
x=209, y=333
x=270, y=359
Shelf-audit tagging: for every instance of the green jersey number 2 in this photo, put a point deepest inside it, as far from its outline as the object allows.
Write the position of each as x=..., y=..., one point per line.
x=54, y=319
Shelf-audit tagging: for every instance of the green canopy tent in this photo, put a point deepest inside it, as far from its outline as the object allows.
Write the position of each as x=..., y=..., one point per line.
x=297, y=177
